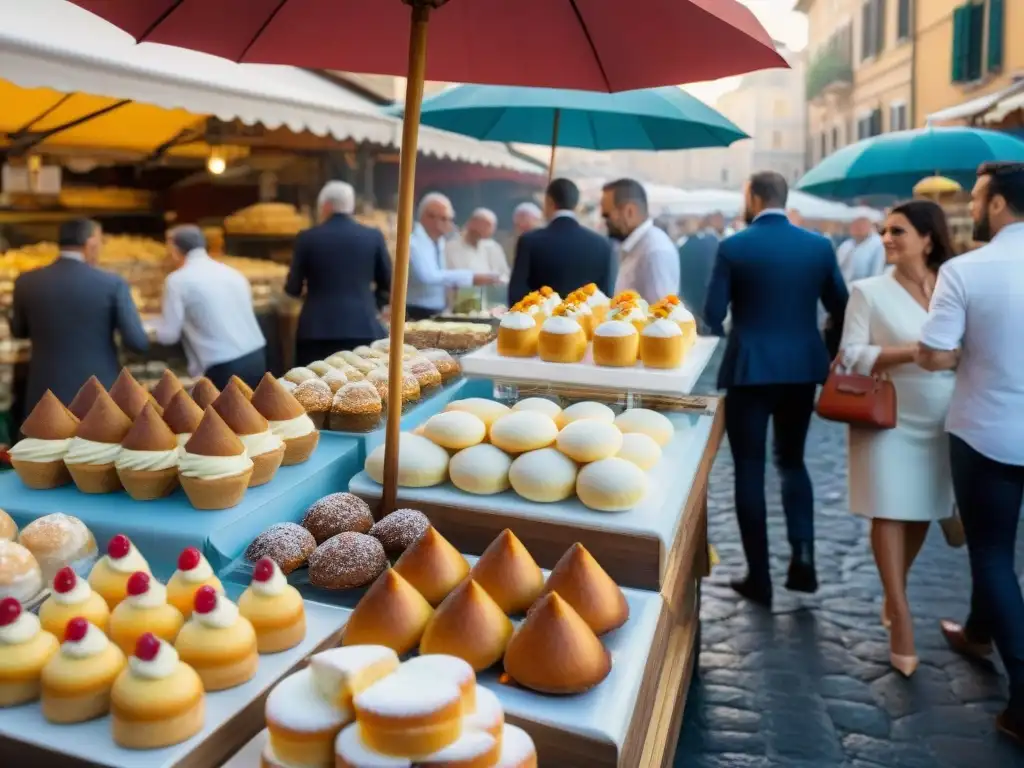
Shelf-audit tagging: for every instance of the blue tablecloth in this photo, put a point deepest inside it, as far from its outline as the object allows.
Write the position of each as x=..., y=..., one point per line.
x=162, y=528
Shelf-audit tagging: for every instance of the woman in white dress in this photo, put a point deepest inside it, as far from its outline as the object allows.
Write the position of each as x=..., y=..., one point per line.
x=900, y=478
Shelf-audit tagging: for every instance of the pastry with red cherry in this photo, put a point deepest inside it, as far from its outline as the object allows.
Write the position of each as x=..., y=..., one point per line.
x=24, y=650
x=71, y=597
x=274, y=608
x=193, y=572
x=217, y=642
x=145, y=609
x=76, y=681
x=110, y=575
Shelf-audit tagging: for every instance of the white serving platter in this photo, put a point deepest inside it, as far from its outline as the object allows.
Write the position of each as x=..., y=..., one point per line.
x=487, y=363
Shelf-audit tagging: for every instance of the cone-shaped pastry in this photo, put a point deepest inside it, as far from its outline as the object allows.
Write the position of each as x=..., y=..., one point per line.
x=129, y=395
x=148, y=462
x=86, y=397
x=554, y=651
x=39, y=457
x=470, y=625
x=264, y=447
x=581, y=581
x=204, y=392
x=214, y=468
x=391, y=613
x=182, y=415
x=165, y=389
x=244, y=388
x=288, y=420
x=433, y=566
x=96, y=446
x=509, y=574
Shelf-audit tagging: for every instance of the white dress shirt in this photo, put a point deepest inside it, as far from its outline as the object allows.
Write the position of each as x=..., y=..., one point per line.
x=429, y=281
x=486, y=256
x=208, y=307
x=978, y=307
x=860, y=260
x=650, y=263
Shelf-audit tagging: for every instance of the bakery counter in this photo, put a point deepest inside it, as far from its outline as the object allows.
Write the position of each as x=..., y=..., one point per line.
x=162, y=528
x=233, y=716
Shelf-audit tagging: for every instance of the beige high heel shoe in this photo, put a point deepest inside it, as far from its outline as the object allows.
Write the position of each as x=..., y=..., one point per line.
x=886, y=621
x=905, y=665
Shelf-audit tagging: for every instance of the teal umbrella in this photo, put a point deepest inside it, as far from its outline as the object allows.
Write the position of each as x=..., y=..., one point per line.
x=891, y=164
x=650, y=119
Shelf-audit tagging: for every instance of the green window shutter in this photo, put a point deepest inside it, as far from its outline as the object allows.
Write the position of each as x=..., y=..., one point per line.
x=996, y=35
x=961, y=20
x=976, y=44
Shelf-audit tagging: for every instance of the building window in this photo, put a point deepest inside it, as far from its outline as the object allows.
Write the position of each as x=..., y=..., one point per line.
x=903, y=17
x=824, y=146
x=835, y=138
x=869, y=124
x=898, y=116
x=872, y=29
x=978, y=40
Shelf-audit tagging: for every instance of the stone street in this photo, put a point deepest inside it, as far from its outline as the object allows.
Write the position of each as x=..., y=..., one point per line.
x=809, y=684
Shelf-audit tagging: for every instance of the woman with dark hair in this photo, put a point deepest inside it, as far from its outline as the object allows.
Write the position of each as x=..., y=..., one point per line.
x=900, y=478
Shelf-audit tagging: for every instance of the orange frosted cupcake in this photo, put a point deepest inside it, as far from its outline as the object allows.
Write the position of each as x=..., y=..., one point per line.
x=518, y=332
x=562, y=338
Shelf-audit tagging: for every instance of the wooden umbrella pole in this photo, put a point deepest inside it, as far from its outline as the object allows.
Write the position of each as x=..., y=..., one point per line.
x=554, y=144
x=400, y=277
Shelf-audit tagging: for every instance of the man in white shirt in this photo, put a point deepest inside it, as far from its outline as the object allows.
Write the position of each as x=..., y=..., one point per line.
x=476, y=249
x=862, y=254
x=649, y=259
x=208, y=307
x=974, y=326
x=429, y=279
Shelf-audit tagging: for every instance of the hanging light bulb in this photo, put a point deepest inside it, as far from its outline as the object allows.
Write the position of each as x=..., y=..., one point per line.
x=215, y=163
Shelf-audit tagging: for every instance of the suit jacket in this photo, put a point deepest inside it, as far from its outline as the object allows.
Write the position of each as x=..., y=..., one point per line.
x=346, y=270
x=564, y=255
x=696, y=260
x=773, y=274
x=70, y=310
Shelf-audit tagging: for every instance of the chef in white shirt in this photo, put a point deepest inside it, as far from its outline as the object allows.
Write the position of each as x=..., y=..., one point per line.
x=476, y=249
x=207, y=306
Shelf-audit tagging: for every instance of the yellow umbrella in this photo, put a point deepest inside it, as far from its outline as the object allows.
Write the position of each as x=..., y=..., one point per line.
x=936, y=186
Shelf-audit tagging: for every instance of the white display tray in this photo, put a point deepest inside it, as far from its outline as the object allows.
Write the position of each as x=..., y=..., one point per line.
x=486, y=362
x=91, y=742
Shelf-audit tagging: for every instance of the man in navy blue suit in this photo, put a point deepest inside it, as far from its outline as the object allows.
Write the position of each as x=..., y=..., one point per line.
x=772, y=275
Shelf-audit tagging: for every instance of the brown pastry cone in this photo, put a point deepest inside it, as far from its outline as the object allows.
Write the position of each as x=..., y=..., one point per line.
x=581, y=581
x=244, y=388
x=165, y=389
x=86, y=396
x=433, y=566
x=214, y=438
x=49, y=420
x=105, y=423
x=149, y=433
x=243, y=419
x=470, y=625
x=204, y=392
x=509, y=574
x=554, y=651
x=275, y=403
x=182, y=414
x=129, y=395
x=391, y=613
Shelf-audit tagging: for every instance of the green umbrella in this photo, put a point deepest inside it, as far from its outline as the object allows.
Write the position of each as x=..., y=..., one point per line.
x=891, y=164
x=649, y=119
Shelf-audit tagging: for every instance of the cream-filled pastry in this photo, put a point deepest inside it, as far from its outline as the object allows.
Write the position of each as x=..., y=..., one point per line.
x=302, y=724
x=182, y=415
x=193, y=572
x=288, y=419
x=214, y=467
x=616, y=344
x=274, y=608
x=217, y=642
x=144, y=609
x=109, y=577
x=517, y=334
x=72, y=597
x=24, y=650
x=561, y=340
x=76, y=682
x=38, y=458
x=148, y=462
x=96, y=445
x=342, y=673
x=661, y=345
x=264, y=448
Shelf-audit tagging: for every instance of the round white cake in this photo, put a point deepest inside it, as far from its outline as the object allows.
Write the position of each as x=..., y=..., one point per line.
x=481, y=469
x=589, y=440
x=611, y=485
x=649, y=422
x=488, y=411
x=421, y=463
x=542, y=405
x=588, y=410
x=455, y=430
x=640, y=449
x=543, y=476
x=522, y=431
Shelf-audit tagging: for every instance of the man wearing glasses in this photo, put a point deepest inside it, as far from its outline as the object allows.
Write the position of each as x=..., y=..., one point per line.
x=429, y=280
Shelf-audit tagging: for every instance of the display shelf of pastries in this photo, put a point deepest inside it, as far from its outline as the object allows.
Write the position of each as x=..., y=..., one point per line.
x=268, y=220
x=457, y=336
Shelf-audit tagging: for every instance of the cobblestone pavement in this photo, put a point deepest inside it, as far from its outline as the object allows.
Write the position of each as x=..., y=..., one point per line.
x=809, y=685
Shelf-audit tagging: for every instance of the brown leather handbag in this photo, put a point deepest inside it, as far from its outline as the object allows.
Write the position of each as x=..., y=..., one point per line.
x=860, y=401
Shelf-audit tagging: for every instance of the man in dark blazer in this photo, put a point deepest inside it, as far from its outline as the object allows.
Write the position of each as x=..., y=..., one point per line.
x=563, y=255
x=773, y=274
x=696, y=260
x=345, y=270
x=70, y=311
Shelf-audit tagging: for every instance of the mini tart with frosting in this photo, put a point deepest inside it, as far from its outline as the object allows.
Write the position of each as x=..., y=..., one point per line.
x=517, y=333
x=549, y=300
x=616, y=344
x=94, y=449
x=193, y=572
x=630, y=297
x=147, y=465
x=274, y=608
x=661, y=345
x=561, y=340
x=629, y=312
x=165, y=389
x=597, y=300
x=182, y=415
x=85, y=397
x=76, y=682
x=288, y=420
x=577, y=301
x=214, y=468
x=24, y=650
x=109, y=577
x=204, y=392
x=72, y=597
x=304, y=715
x=264, y=448
x=671, y=308
x=129, y=395
x=157, y=700
x=217, y=642
x=38, y=458
x=145, y=609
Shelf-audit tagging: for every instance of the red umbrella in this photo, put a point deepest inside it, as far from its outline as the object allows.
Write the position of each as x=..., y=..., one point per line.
x=593, y=45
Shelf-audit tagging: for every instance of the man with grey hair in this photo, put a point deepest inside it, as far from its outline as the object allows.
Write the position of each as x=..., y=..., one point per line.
x=343, y=269
x=208, y=308
x=476, y=249
x=429, y=276
x=526, y=218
